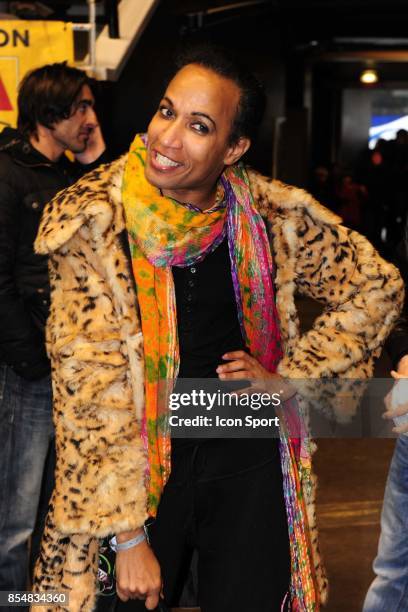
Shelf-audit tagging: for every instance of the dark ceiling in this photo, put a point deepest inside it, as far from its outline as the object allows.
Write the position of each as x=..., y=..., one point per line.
x=347, y=33
x=310, y=19
x=324, y=21
x=316, y=30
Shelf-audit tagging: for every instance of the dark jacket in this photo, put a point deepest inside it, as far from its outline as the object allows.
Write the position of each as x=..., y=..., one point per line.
x=28, y=180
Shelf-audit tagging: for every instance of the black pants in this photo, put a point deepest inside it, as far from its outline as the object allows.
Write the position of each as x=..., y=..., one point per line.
x=225, y=499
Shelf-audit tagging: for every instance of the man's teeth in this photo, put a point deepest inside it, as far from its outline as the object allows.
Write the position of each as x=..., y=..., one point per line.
x=165, y=161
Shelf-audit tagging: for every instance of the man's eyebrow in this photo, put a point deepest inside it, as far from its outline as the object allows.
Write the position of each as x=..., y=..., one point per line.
x=87, y=101
x=194, y=114
x=198, y=114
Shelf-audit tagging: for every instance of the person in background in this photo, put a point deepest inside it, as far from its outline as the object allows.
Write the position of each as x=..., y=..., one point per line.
x=55, y=114
x=322, y=187
x=350, y=199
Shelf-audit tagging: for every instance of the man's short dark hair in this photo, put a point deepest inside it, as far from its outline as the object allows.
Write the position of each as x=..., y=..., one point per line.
x=252, y=102
x=46, y=95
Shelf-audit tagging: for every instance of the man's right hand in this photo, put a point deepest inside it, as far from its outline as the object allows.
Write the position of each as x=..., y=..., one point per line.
x=94, y=148
x=138, y=573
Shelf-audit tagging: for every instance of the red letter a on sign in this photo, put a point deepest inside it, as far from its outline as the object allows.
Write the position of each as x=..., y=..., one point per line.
x=5, y=104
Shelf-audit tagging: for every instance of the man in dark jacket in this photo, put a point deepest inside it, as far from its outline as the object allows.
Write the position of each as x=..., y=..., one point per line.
x=56, y=114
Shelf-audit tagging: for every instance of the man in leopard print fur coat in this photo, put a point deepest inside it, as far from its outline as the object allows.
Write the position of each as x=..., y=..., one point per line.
x=96, y=345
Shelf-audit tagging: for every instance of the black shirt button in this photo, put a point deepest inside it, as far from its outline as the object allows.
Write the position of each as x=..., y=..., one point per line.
x=191, y=283
x=189, y=297
x=193, y=270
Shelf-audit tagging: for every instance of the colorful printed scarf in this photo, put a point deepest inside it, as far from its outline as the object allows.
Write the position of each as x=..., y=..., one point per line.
x=165, y=233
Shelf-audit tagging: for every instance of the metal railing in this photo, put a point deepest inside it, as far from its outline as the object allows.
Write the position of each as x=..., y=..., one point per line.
x=111, y=12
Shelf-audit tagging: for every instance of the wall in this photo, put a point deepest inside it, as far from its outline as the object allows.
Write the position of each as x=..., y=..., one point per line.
x=355, y=125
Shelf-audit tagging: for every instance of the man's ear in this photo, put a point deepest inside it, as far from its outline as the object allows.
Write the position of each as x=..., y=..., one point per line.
x=237, y=150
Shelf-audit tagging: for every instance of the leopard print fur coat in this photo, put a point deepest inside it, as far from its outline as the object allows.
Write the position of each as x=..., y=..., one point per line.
x=95, y=343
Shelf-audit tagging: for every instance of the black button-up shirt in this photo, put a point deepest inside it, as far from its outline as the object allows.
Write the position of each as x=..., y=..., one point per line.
x=208, y=327
x=207, y=316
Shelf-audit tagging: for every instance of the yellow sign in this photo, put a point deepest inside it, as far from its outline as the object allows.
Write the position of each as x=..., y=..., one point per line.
x=25, y=45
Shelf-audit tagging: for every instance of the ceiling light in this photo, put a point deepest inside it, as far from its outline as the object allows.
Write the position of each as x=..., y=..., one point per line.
x=369, y=76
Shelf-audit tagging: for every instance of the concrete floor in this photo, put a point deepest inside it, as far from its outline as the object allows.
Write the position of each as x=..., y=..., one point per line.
x=351, y=480
x=351, y=475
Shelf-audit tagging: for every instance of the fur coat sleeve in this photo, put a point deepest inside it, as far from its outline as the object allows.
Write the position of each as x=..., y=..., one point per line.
x=317, y=256
x=362, y=294
x=95, y=344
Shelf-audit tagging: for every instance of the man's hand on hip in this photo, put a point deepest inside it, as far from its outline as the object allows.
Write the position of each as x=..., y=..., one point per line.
x=242, y=366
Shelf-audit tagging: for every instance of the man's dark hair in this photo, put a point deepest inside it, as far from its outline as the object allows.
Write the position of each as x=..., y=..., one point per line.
x=252, y=102
x=46, y=95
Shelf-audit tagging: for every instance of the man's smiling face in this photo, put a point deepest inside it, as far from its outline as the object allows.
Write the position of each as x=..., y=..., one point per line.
x=188, y=137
